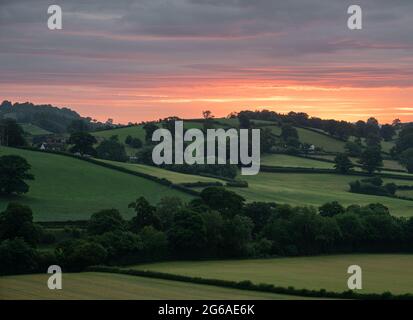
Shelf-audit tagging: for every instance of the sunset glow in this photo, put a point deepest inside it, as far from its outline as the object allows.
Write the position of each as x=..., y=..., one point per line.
x=111, y=62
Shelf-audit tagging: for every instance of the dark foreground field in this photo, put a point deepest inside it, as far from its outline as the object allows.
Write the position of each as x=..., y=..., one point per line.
x=90, y=285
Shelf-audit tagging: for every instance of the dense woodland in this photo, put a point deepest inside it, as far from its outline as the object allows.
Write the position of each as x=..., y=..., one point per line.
x=219, y=224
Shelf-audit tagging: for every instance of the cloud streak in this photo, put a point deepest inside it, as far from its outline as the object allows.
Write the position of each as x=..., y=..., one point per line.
x=201, y=52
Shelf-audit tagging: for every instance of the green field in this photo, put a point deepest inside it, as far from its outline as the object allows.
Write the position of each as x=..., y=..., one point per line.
x=135, y=132
x=122, y=133
x=172, y=176
x=283, y=160
x=70, y=189
x=315, y=190
x=99, y=286
x=320, y=140
x=380, y=272
x=33, y=130
x=387, y=164
x=405, y=193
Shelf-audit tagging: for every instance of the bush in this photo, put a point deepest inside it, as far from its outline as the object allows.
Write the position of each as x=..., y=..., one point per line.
x=237, y=184
x=16, y=257
x=17, y=221
x=105, y=221
x=79, y=254
x=14, y=170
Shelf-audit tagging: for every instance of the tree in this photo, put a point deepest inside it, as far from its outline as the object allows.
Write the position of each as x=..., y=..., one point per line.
x=133, y=142
x=145, y=215
x=406, y=159
x=244, y=121
x=267, y=140
x=166, y=209
x=17, y=222
x=105, y=221
x=237, y=234
x=187, y=237
x=155, y=243
x=289, y=132
x=259, y=213
x=396, y=123
x=11, y=134
x=149, y=128
x=14, y=170
x=16, y=257
x=120, y=246
x=214, y=224
x=128, y=139
x=405, y=140
x=77, y=125
x=76, y=255
x=343, y=163
x=372, y=128
x=208, y=118
x=227, y=202
x=82, y=142
x=387, y=132
x=353, y=149
x=331, y=209
x=112, y=149
x=371, y=159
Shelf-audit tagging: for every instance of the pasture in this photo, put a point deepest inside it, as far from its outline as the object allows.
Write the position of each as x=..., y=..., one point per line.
x=380, y=272
x=102, y=286
x=174, y=177
x=66, y=188
x=315, y=190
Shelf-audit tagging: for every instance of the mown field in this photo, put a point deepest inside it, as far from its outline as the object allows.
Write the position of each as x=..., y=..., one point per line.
x=315, y=190
x=284, y=160
x=33, y=130
x=387, y=164
x=99, y=286
x=69, y=189
x=175, y=177
x=380, y=272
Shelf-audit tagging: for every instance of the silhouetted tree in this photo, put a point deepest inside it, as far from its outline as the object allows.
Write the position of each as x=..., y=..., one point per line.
x=83, y=143
x=11, y=134
x=343, y=163
x=14, y=170
x=371, y=159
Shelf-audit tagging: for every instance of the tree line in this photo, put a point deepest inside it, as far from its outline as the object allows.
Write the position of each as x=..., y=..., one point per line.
x=218, y=224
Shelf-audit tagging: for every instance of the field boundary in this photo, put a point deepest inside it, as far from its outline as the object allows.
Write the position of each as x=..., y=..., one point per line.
x=162, y=181
x=315, y=158
x=279, y=169
x=248, y=285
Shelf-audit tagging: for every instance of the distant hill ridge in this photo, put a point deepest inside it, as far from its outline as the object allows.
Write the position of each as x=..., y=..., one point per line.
x=47, y=117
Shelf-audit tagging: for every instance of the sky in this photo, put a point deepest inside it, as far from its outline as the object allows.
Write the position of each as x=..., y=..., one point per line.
x=141, y=60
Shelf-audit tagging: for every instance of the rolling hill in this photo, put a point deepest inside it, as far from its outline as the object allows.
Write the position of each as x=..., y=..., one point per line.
x=66, y=188
x=174, y=177
x=315, y=190
x=33, y=130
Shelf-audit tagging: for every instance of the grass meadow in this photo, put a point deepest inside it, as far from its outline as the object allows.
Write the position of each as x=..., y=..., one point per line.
x=100, y=286
x=380, y=272
x=70, y=189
